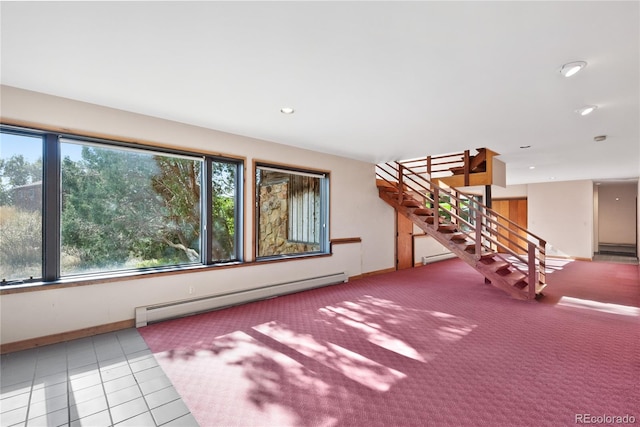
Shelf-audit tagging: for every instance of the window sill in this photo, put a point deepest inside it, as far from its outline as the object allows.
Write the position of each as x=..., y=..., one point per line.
x=278, y=258
x=95, y=279
x=70, y=282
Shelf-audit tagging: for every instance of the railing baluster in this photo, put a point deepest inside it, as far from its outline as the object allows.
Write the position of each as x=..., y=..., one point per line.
x=533, y=279
x=478, y=234
x=436, y=206
x=400, y=183
x=542, y=262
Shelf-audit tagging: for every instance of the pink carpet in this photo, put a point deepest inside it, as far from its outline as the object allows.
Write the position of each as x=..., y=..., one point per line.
x=427, y=346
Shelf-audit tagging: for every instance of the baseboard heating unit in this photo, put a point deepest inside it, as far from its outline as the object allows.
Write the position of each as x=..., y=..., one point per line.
x=158, y=312
x=434, y=258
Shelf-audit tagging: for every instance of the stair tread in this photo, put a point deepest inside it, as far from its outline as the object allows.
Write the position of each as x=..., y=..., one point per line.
x=430, y=218
x=447, y=228
x=458, y=237
x=411, y=203
x=388, y=190
x=499, y=265
x=423, y=211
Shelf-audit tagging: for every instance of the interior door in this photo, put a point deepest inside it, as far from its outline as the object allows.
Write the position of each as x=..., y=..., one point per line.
x=516, y=211
x=404, y=242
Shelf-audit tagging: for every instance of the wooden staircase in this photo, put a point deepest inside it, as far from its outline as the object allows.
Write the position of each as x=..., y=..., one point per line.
x=469, y=229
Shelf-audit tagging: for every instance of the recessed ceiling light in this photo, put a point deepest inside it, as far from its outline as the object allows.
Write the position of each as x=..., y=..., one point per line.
x=525, y=146
x=287, y=110
x=600, y=138
x=587, y=109
x=552, y=178
x=532, y=167
x=572, y=68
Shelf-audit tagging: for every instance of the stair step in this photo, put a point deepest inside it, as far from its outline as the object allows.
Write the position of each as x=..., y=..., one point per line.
x=429, y=219
x=483, y=253
x=447, y=228
x=521, y=284
x=458, y=237
x=423, y=212
x=388, y=190
x=516, y=278
x=411, y=203
x=499, y=265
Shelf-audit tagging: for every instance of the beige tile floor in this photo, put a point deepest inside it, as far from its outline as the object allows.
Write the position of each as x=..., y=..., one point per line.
x=106, y=380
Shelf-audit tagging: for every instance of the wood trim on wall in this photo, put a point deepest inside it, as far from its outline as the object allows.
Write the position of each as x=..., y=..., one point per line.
x=66, y=336
x=345, y=240
x=372, y=273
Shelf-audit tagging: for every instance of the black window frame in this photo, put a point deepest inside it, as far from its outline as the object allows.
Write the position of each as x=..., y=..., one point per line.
x=325, y=190
x=52, y=203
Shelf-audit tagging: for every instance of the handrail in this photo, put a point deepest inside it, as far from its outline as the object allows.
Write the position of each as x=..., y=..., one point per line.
x=486, y=230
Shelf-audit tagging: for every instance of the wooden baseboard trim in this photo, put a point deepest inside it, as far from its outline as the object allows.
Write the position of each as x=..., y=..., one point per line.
x=571, y=258
x=372, y=273
x=66, y=336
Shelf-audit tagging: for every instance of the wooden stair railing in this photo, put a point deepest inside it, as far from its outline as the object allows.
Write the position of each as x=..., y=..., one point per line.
x=469, y=229
x=447, y=165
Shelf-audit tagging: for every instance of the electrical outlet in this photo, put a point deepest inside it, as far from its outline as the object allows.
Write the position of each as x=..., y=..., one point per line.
x=190, y=290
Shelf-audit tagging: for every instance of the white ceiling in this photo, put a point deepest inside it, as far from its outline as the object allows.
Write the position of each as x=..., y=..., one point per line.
x=374, y=81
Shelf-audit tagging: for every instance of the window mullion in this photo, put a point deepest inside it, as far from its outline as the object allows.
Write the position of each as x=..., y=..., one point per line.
x=207, y=212
x=51, y=208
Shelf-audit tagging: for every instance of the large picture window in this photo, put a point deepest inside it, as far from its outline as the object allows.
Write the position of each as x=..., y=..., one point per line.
x=125, y=208
x=292, y=212
x=112, y=207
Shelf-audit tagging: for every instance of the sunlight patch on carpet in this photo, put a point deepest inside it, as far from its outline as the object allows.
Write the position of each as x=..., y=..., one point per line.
x=417, y=334
x=551, y=265
x=623, y=310
x=240, y=372
x=349, y=363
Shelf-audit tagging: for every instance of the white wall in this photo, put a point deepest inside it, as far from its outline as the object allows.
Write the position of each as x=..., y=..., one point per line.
x=356, y=211
x=425, y=246
x=562, y=213
x=617, y=213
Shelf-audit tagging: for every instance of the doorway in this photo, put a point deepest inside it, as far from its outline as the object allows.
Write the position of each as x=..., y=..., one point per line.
x=404, y=242
x=616, y=220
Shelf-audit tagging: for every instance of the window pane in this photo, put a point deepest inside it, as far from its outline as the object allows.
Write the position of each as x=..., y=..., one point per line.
x=20, y=207
x=127, y=209
x=223, y=211
x=291, y=212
